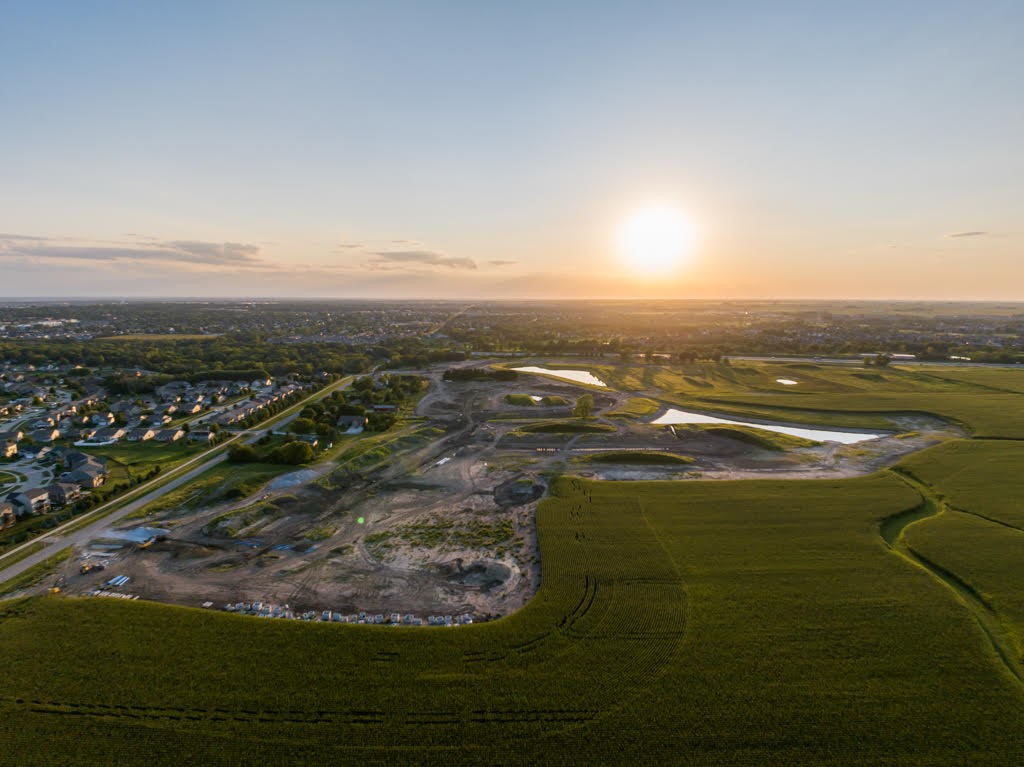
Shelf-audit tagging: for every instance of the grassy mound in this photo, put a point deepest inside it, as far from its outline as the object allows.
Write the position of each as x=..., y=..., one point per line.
x=553, y=400
x=637, y=407
x=766, y=440
x=640, y=457
x=520, y=400
x=567, y=427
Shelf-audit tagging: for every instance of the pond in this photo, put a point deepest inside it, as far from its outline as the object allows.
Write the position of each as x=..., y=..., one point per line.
x=674, y=416
x=786, y=381
x=579, y=376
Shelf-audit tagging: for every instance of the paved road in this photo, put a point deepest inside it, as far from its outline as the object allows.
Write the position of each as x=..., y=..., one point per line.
x=59, y=539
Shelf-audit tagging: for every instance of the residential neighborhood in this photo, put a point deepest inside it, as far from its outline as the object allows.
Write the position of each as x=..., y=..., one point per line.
x=51, y=421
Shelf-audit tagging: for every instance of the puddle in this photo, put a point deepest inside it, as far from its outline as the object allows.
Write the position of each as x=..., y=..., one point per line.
x=579, y=376
x=674, y=416
x=293, y=479
x=786, y=381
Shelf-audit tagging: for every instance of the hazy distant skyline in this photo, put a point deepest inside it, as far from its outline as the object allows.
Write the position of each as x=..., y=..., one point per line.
x=485, y=150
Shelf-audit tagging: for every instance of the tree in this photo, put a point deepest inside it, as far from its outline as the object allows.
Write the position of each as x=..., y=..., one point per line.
x=303, y=426
x=584, y=406
x=243, y=454
x=292, y=453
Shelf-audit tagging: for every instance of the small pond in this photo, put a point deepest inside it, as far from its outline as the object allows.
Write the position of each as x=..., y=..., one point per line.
x=674, y=416
x=579, y=376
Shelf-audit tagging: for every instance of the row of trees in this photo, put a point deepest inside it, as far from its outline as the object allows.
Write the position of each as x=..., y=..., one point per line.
x=290, y=453
x=229, y=357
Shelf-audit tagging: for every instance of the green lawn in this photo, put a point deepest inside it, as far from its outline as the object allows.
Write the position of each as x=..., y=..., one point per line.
x=225, y=481
x=140, y=457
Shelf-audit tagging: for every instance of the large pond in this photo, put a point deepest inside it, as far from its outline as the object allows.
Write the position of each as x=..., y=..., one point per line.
x=674, y=416
x=579, y=376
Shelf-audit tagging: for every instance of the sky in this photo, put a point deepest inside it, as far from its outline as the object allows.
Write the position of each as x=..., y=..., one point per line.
x=480, y=150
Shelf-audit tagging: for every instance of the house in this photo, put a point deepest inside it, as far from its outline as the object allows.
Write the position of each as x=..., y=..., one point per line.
x=7, y=517
x=201, y=435
x=352, y=424
x=14, y=435
x=103, y=419
x=63, y=493
x=140, y=434
x=45, y=435
x=169, y=435
x=108, y=434
x=310, y=439
x=35, y=500
x=83, y=469
x=8, y=449
x=88, y=476
x=75, y=459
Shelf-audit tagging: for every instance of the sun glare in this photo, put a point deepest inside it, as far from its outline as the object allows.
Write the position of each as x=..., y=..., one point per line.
x=655, y=239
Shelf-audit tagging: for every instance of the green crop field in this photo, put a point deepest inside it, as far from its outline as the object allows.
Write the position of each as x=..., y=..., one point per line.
x=856, y=622
x=709, y=623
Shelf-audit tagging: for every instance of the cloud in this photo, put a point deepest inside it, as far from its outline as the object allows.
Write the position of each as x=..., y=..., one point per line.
x=190, y=252
x=968, y=234
x=21, y=237
x=422, y=257
x=500, y=262
x=213, y=252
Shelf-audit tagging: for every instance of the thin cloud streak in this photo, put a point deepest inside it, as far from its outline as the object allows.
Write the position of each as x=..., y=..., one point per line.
x=424, y=258
x=184, y=252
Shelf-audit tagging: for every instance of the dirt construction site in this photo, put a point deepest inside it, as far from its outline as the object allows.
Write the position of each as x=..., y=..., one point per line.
x=434, y=517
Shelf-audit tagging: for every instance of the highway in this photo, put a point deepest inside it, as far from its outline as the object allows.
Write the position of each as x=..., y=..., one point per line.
x=64, y=536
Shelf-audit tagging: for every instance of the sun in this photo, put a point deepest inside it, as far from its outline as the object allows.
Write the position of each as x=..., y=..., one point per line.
x=654, y=240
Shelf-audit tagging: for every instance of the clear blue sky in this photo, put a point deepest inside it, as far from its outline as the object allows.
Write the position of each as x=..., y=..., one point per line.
x=493, y=149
